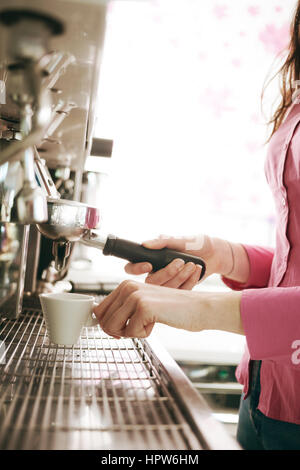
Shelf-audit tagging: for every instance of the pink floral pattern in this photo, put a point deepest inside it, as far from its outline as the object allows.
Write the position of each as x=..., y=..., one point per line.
x=220, y=11
x=275, y=39
x=180, y=95
x=217, y=100
x=253, y=10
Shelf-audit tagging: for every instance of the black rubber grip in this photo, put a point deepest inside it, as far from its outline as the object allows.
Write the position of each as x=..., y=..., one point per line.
x=136, y=253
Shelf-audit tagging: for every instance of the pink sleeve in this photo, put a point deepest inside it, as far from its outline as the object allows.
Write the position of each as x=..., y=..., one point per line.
x=260, y=259
x=271, y=321
x=270, y=315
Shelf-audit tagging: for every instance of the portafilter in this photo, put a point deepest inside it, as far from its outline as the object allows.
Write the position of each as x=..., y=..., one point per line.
x=70, y=221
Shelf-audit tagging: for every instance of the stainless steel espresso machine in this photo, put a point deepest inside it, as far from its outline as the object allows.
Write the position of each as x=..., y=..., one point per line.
x=101, y=393
x=50, y=62
x=50, y=55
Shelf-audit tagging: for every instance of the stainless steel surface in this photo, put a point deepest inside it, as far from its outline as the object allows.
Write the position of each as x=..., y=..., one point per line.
x=72, y=75
x=50, y=56
x=25, y=52
x=220, y=388
x=57, y=64
x=94, y=240
x=100, y=394
x=13, y=257
x=31, y=204
x=69, y=221
x=25, y=81
x=218, y=384
x=61, y=252
x=30, y=200
x=44, y=178
x=34, y=240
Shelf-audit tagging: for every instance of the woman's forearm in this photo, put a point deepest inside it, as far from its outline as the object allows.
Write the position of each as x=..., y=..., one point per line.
x=133, y=308
x=221, y=311
x=233, y=260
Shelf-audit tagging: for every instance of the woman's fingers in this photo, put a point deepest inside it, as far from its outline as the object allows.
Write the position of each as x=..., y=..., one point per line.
x=137, y=307
x=193, y=279
x=176, y=274
x=116, y=318
x=127, y=314
x=182, y=276
x=115, y=299
x=178, y=244
x=104, y=305
x=166, y=274
x=138, y=268
x=137, y=327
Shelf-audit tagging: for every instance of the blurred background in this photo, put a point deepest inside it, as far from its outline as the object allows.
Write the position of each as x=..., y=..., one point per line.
x=180, y=96
x=179, y=150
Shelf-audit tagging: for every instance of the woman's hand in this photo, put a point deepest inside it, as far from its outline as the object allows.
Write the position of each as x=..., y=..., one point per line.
x=178, y=274
x=133, y=308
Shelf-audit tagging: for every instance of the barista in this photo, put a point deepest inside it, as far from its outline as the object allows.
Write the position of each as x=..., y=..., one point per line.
x=264, y=301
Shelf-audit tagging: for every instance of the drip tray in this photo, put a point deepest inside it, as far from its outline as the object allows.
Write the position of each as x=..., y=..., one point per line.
x=102, y=393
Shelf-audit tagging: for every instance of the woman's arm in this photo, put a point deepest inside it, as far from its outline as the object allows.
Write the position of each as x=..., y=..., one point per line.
x=241, y=266
x=259, y=267
x=268, y=317
x=221, y=257
x=133, y=308
x=234, y=260
x=271, y=321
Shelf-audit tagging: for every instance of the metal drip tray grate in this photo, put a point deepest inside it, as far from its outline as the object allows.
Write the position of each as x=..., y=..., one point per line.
x=101, y=394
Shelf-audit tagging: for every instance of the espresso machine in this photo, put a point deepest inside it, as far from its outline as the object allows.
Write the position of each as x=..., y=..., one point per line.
x=50, y=62
x=50, y=56
x=101, y=393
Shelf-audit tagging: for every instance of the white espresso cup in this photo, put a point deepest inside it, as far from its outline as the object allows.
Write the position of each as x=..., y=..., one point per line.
x=65, y=314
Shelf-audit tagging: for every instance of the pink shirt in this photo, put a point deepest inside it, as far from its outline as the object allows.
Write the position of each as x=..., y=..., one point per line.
x=270, y=305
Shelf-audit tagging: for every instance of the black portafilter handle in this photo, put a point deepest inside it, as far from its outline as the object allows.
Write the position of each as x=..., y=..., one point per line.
x=136, y=253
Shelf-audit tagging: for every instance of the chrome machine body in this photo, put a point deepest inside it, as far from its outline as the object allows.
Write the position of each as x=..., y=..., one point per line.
x=50, y=56
x=100, y=393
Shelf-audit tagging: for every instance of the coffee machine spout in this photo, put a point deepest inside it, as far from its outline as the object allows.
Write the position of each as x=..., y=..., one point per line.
x=61, y=252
